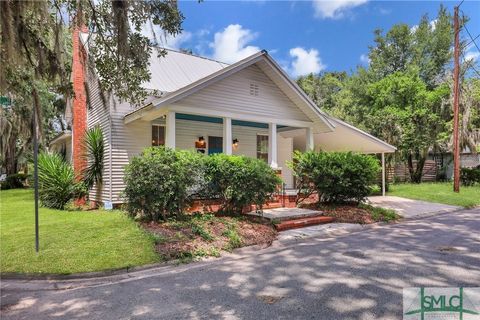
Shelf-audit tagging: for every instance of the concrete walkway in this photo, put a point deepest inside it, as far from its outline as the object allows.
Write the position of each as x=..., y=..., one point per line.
x=282, y=214
x=409, y=208
x=321, y=230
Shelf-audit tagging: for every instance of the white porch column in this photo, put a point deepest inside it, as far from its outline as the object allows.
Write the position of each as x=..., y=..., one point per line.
x=309, y=145
x=383, y=174
x=227, y=136
x=170, y=129
x=272, y=145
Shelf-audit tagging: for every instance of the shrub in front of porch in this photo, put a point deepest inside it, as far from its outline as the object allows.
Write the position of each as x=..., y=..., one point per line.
x=335, y=176
x=239, y=181
x=160, y=182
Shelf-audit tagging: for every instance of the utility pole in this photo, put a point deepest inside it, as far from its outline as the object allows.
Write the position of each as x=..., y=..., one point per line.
x=456, y=93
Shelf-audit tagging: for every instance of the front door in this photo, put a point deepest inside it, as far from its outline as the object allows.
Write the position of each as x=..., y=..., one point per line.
x=215, y=145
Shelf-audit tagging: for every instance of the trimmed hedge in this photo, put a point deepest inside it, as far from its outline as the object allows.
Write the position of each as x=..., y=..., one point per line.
x=14, y=181
x=470, y=176
x=162, y=182
x=335, y=176
x=239, y=181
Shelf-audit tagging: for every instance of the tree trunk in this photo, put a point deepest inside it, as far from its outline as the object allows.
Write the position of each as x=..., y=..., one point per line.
x=416, y=173
x=10, y=155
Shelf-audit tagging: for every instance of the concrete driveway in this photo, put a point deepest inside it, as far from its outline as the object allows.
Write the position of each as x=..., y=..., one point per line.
x=409, y=208
x=355, y=276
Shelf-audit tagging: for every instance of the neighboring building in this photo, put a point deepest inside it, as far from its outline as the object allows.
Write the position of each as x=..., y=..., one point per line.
x=250, y=108
x=444, y=162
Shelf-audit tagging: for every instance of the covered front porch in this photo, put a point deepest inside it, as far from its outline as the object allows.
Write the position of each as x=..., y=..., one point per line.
x=273, y=140
x=230, y=135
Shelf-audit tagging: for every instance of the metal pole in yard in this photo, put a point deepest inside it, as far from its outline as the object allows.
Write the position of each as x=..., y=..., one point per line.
x=35, y=170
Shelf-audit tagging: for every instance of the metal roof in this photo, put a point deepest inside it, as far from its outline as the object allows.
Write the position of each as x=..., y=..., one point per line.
x=177, y=70
x=173, y=71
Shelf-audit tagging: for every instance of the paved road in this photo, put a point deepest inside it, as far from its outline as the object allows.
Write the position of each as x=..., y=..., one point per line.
x=355, y=276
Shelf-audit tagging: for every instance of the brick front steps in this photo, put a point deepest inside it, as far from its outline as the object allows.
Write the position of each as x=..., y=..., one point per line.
x=291, y=218
x=303, y=222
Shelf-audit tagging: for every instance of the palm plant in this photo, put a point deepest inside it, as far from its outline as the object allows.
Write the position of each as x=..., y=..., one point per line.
x=57, y=185
x=94, y=149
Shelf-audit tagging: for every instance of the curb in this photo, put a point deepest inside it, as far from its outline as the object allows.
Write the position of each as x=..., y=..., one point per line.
x=82, y=275
x=432, y=213
x=118, y=271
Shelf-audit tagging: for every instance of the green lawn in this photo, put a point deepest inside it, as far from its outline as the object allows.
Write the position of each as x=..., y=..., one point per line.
x=441, y=192
x=70, y=241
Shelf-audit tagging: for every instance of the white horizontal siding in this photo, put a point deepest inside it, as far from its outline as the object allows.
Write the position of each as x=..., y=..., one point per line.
x=98, y=110
x=130, y=140
x=127, y=142
x=293, y=94
x=233, y=94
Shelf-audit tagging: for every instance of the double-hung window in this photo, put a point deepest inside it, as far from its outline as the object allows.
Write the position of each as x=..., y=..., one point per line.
x=158, y=135
x=262, y=147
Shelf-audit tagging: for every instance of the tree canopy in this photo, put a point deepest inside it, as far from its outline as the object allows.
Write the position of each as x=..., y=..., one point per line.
x=404, y=96
x=35, y=59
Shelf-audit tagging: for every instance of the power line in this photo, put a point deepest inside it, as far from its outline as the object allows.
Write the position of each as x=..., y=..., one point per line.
x=471, y=65
x=473, y=40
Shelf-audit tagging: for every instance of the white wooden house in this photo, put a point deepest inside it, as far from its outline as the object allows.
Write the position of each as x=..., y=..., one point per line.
x=249, y=108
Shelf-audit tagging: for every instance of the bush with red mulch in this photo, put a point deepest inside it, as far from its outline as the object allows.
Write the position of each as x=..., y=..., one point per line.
x=354, y=213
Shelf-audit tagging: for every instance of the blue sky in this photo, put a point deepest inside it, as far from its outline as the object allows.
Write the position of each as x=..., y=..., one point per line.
x=303, y=36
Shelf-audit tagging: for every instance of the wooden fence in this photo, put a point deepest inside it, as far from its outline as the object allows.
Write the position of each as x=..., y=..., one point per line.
x=400, y=172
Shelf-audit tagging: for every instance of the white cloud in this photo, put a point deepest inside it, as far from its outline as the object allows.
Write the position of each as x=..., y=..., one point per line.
x=364, y=59
x=175, y=42
x=231, y=44
x=472, y=55
x=201, y=41
x=157, y=35
x=384, y=11
x=432, y=23
x=335, y=9
x=305, y=62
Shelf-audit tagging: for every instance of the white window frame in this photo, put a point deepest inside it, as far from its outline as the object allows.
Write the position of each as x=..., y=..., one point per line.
x=164, y=134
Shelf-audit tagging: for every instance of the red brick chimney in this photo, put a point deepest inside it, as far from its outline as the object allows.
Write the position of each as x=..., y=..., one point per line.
x=79, y=105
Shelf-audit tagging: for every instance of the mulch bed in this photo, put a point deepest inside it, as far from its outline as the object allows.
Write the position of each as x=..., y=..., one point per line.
x=256, y=233
x=178, y=240
x=348, y=213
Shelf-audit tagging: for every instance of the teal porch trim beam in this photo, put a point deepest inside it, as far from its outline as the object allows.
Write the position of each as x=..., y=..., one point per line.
x=191, y=117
